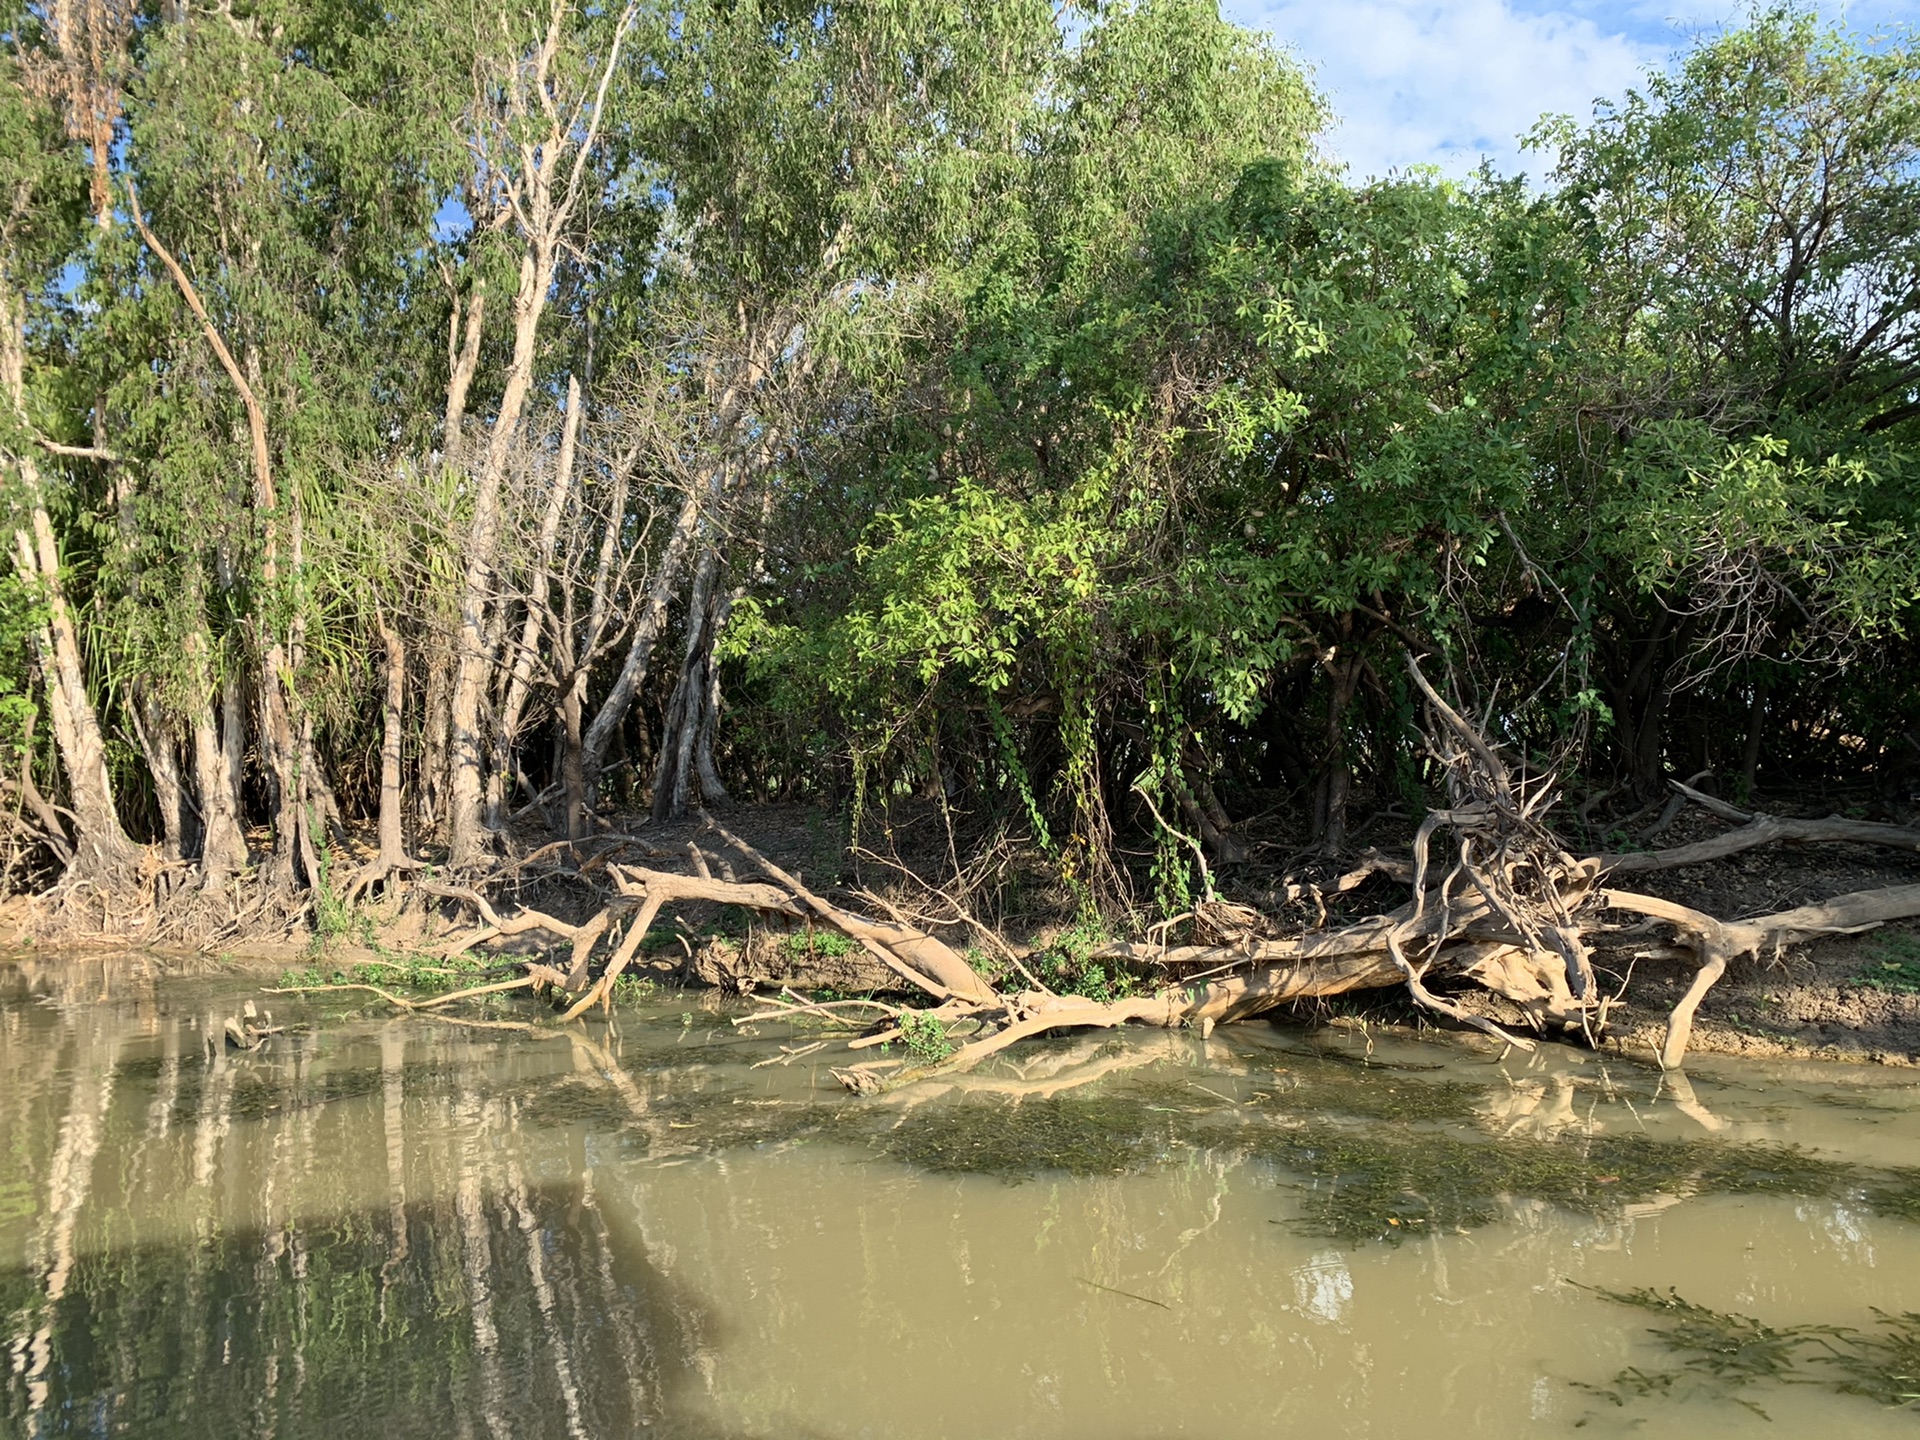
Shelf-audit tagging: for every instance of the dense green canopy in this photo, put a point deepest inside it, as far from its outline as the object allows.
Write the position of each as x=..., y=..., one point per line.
x=447, y=412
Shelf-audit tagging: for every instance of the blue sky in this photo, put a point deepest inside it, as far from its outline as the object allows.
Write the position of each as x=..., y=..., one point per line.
x=1446, y=82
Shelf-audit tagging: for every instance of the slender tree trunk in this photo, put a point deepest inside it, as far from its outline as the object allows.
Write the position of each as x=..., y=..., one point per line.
x=223, y=844
x=101, y=847
x=393, y=848
x=463, y=358
x=233, y=752
x=474, y=657
x=673, y=770
x=433, y=739
x=513, y=706
x=162, y=753
x=712, y=790
x=1750, y=752
x=573, y=772
x=1336, y=775
x=102, y=850
x=53, y=828
x=647, y=627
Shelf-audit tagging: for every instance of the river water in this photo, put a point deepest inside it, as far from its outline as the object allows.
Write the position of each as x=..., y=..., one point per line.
x=390, y=1227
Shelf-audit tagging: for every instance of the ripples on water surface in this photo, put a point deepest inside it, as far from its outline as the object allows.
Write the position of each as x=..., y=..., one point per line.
x=388, y=1228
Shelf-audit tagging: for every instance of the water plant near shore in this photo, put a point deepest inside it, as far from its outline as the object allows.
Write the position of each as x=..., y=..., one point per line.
x=1727, y=1356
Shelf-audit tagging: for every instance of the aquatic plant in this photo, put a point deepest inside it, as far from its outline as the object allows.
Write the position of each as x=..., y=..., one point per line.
x=1367, y=1091
x=924, y=1036
x=1077, y=1135
x=1387, y=1181
x=1897, y=1195
x=1722, y=1354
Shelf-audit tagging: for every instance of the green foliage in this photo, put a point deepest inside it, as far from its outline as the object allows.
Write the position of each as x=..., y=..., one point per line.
x=1895, y=966
x=806, y=944
x=924, y=1036
x=988, y=966
x=1068, y=967
x=335, y=918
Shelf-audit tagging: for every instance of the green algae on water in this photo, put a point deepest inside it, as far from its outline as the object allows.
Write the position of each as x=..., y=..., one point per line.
x=1317, y=1089
x=723, y=1120
x=576, y=1102
x=710, y=1119
x=1897, y=1194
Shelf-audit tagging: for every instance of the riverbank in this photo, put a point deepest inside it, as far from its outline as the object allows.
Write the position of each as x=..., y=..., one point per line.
x=1851, y=998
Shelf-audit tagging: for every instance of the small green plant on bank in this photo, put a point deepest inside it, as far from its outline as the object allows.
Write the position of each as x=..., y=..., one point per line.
x=990, y=968
x=925, y=1037
x=633, y=987
x=1068, y=967
x=804, y=944
x=1895, y=966
x=333, y=915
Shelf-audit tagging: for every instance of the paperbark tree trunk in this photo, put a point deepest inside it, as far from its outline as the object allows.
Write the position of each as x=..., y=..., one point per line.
x=545, y=188
x=474, y=656
x=433, y=741
x=102, y=850
x=216, y=775
x=178, y=832
x=712, y=789
x=520, y=683
x=672, y=773
x=647, y=627
x=463, y=358
x=393, y=848
x=573, y=773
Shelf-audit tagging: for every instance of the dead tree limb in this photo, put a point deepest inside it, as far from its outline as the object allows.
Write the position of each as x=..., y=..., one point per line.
x=1757, y=829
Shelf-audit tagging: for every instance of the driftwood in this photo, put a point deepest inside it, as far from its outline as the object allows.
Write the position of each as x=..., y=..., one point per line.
x=1497, y=903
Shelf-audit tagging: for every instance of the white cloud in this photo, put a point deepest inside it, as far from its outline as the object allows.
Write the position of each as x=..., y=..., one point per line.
x=1448, y=82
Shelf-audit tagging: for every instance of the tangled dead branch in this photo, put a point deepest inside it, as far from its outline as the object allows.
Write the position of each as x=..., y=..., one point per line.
x=1497, y=903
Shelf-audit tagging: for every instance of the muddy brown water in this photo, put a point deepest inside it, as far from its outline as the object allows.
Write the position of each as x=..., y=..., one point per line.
x=391, y=1227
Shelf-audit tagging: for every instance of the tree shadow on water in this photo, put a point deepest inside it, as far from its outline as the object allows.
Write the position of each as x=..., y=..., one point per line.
x=511, y=1314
